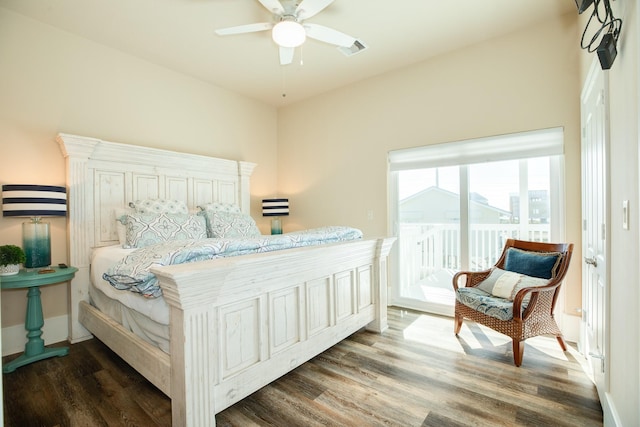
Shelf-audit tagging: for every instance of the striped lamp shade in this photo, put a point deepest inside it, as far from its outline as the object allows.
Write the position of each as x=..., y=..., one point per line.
x=33, y=200
x=275, y=207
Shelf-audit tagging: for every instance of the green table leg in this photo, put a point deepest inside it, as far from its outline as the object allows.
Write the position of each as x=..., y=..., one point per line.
x=34, y=349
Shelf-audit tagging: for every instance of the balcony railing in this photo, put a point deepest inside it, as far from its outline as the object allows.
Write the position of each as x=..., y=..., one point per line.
x=428, y=248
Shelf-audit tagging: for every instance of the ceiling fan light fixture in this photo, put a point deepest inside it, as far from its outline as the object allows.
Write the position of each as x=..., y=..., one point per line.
x=288, y=34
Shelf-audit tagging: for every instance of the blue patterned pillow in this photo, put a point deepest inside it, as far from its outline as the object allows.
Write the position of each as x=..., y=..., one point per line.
x=159, y=206
x=121, y=224
x=486, y=303
x=149, y=229
x=535, y=264
x=222, y=224
x=221, y=207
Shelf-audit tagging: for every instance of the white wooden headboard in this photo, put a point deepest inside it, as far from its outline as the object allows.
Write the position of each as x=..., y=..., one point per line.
x=103, y=176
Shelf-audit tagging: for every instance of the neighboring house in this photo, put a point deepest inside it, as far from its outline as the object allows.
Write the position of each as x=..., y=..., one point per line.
x=430, y=220
x=435, y=205
x=538, y=206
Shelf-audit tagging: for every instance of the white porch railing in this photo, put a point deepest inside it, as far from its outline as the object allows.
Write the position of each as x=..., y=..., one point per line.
x=427, y=248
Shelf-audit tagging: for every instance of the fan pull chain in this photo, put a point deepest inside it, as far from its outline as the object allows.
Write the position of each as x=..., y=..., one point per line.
x=284, y=80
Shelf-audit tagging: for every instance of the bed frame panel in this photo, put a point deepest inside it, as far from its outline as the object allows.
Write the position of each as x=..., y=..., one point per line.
x=236, y=323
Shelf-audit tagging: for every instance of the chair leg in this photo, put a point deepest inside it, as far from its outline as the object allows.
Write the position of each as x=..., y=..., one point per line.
x=561, y=342
x=518, y=352
x=457, y=324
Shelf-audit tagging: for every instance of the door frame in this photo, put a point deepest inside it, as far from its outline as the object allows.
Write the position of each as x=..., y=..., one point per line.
x=595, y=73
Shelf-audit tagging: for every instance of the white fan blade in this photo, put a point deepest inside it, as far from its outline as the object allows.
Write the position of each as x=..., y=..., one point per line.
x=328, y=35
x=273, y=6
x=307, y=8
x=286, y=55
x=241, y=29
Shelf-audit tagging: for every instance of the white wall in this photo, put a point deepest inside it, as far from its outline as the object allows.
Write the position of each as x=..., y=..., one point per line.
x=333, y=148
x=52, y=81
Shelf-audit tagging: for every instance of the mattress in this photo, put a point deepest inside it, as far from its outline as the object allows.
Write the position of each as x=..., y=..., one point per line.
x=148, y=318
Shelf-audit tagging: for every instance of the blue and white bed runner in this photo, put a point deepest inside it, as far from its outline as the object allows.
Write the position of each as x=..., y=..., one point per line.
x=133, y=272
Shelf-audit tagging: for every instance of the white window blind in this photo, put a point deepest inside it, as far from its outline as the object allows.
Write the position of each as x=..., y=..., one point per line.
x=522, y=145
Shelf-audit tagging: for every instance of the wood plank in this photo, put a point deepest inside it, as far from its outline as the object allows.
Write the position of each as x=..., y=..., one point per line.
x=417, y=373
x=152, y=362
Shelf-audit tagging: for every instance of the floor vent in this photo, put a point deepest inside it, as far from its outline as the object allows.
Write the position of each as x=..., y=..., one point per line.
x=357, y=47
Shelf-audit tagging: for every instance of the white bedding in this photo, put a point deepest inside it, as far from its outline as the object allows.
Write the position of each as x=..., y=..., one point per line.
x=148, y=317
x=134, y=273
x=101, y=259
x=152, y=332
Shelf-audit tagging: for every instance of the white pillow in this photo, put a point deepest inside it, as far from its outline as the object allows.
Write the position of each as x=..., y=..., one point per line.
x=506, y=284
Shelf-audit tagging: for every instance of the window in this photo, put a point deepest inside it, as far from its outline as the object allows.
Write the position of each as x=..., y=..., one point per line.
x=453, y=206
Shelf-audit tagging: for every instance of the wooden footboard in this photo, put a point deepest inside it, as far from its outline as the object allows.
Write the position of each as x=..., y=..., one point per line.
x=239, y=323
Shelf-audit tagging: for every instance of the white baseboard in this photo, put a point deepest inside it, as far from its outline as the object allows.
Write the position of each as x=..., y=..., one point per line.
x=570, y=327
x=55, y=329
x=610, y=415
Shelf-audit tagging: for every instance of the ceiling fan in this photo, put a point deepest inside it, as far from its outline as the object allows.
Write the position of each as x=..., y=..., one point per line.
x=289, y=29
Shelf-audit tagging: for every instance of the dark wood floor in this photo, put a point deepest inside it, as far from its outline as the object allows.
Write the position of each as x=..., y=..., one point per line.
x=415, y=374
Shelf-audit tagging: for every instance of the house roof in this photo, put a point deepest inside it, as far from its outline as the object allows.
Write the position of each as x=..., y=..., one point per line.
x=476, y=199
x=179, y=35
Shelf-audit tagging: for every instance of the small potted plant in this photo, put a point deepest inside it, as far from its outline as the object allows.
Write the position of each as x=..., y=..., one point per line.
x=11, y=257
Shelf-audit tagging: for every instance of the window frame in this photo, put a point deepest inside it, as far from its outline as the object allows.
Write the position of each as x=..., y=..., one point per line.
x=517, y=146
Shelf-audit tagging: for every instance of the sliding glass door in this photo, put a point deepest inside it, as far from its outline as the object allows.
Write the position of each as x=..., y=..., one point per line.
x=458, y=217
x=429, y=233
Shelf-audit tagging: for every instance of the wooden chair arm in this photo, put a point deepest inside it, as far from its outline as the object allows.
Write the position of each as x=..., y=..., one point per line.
x=473, y=278
x=547, y=291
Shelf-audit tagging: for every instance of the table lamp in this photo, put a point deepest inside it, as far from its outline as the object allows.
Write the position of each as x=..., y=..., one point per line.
x=275, y=208
x=35, y=201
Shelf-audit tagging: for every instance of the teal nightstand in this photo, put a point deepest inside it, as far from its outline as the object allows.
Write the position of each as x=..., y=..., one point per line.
x=34, y=349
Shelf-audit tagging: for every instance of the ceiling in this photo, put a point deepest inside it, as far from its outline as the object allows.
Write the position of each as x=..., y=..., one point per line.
x=179, y=34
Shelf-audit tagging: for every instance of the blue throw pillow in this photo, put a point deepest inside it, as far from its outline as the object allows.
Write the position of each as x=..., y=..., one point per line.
x=535, y=264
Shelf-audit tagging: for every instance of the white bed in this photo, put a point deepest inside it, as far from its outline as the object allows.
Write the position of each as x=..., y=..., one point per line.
x=235, y=324
x=148, y=318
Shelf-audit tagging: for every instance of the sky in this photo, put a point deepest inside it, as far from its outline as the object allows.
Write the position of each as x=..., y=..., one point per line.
x=496, y=180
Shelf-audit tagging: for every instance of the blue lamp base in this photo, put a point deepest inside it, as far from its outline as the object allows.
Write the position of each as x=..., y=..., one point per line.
x=36, y=242
x=276, y=226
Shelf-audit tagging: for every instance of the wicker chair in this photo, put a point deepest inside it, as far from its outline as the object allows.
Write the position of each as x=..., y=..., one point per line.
x=531, y=310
